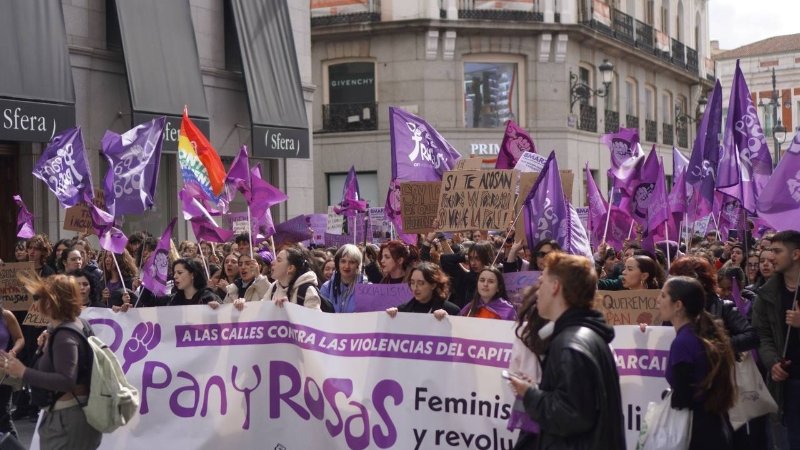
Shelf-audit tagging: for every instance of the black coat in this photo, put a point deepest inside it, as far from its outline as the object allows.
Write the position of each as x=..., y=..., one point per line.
x=743, y=336
x=463, y=283
x=202, y=297
x=578, y=404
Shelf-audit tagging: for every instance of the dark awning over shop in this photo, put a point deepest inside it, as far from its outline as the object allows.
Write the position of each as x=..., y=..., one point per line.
x=274, y=89
x=162, y=63
x=37, y=97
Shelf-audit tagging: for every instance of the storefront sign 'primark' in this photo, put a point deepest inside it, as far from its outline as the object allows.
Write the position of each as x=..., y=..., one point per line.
x=33, y=121
x=280, y=142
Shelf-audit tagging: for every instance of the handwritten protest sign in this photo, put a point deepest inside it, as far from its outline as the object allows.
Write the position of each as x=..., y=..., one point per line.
x=419, y=203
x=378, y=297
x=12, y=293
x=469, y=164
x=79, y=218
x=526, y=182
x=516, y=282
x=237, y=222
x=318, y=223
x=355, y=225
x=476, y=200
x=629, y=307
x=335, y=222
x=34, y=317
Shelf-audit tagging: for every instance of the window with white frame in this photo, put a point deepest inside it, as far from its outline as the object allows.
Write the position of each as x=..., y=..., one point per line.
x=631, y=98
x=492, y=90
x=666, y=105
x=650, y=103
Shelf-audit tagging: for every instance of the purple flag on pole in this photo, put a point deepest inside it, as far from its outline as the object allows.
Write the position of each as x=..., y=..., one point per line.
x=679, y=162
x=24, y=220
x=642, y=187
x=677, y=198
x=297, y=229
x=351, y=203
x=111, y=238
x=624, y=147
x=133, y=159
x=419, y=153
x=729, y=214
x=598, y=207
x=64, y=168
x=658, y=212
x=155, y=270
x=516, y=141
x=701, y=174
x=745, y=164
x=203, y=225
x=261, y=198
x=779, y=202
x=238, y=177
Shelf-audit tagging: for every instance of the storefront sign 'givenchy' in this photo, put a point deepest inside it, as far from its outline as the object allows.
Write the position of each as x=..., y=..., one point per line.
x=16, y=119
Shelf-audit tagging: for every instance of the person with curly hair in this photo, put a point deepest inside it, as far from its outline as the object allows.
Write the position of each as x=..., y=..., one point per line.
x=430, y=287
x=396, y=258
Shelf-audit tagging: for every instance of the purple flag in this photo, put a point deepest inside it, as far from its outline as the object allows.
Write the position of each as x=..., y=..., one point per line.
x=598, y=208
x=624, y=147
x=701, y=174
x=677, y=198
x=729, y=214
x=679, y=163
x=111, y=238
x=350, y=204
x=658, y=208
x=297, y=229
x=133, y=159
x=203, y=225
x=516, y=141
x=155, y=269
x=238, y=177
x=24, y=220
x=64, y=168
x=261, y=198
x=745, y=164
x=642, y=187
x=419, y=153
x=779, y=202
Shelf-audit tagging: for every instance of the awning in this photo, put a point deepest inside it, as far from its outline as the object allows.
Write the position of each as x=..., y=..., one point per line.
x=37, y=97
x=274, y=89
x=162, y=63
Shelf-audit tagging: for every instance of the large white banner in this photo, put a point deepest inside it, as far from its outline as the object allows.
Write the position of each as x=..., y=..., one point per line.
x=293, y=378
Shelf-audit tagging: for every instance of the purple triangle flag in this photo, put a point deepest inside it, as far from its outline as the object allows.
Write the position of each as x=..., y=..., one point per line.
x=111, y=238
x=238, y=177
x=262, y=197
x=729, y=213
x=624, y=147
x=351, y=203
x=598, y=208
x=701, y=173
x=24, y=220
x=155, y=270
x=133, y=159
x=643, y=186
x=203, y=225
x=679, y=162
x=516, y=141
x=64, y=168
x=779, y=202
x=745, y=164
x=658, y=207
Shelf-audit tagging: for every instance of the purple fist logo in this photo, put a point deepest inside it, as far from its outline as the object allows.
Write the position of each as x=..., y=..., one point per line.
x=145, y=337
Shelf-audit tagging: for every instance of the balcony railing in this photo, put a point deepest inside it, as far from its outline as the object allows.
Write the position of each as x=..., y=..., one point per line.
x=644, y=36
x=666, y=130
x=691, y=61
x=678, y=53
x=467, y=10
x=588, y=118
x=612, y=121
x=623, y=26
x=650, y=130
x=631, y=121
x=350, y=117
x=683, y=136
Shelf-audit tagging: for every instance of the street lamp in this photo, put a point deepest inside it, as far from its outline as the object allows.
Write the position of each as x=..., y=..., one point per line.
x=778, y=132
x=681, y=118
x=578, y=90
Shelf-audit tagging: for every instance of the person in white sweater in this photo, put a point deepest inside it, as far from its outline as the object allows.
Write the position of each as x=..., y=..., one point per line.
x=294, y=280
x=251, y=286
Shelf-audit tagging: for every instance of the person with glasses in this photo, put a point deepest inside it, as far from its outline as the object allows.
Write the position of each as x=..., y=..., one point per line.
x=751, y=268
x=39, y=250
x=430, y=287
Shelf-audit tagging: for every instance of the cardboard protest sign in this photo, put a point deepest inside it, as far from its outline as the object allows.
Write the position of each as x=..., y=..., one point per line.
x=79, y=218
x=378, y=297
x=516, y=282
x=526, y=182
x=419, y=203
x=34, y=317
x=469, y=164
x=629, y=307
x=476, y=200
x=355, y=225
x=12, y=292
x=318, y=223
x=237, y=222
x=335, y=223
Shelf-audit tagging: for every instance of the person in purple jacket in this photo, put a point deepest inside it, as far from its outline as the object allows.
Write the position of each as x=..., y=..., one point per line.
x=489, y=300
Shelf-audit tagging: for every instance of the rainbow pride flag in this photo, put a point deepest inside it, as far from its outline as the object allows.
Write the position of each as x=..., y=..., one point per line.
x=201, y=167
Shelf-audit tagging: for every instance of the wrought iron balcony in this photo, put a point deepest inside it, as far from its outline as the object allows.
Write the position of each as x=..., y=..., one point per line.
x=372, y=14
x=644, y=36
x=650, y=130
x=678, y=53
x=588, y=118
x=691, y=61
x=350, y=117
x=467, y=10
x=631, y=121
x=623, y=26
x=667, y=132
x=612, y=121
x=683, y=136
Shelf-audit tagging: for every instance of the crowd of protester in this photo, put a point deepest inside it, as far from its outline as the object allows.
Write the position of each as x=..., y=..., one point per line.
x=462, y=274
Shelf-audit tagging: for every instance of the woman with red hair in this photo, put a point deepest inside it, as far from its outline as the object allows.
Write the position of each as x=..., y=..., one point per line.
x=395, y=260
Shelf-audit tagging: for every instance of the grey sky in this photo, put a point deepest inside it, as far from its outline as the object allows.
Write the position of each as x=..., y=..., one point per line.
x=740, y=22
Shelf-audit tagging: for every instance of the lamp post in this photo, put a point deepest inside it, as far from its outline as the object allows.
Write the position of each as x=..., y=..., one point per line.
x=778, y=131
x=578, y=90
x=682, y=118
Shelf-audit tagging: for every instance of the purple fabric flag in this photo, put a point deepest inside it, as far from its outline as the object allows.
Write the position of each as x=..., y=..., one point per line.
x=729, y=214
x=779, y=202
x=24, y=220
x=155, y=270
x=624, y=147
x=745, y=164
x=516, y=141
x=64, y=168
x=658, y=208
x=642, y=188
x=419, y=153
x=111, y=238
x=679, y=163
x=598, y=208
x=203, y=225
x=297, y=229
x=133, y=159
x=677, y=198
x=701, y=174
x=261, y=198
x=238, y=177
x=350, y=204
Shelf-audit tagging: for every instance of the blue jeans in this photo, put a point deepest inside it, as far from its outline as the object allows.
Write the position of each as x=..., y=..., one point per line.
x=791, y=412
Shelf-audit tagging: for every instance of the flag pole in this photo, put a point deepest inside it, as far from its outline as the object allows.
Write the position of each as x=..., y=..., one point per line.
x=250, y=231
x=608, y=216
x=716, y=223
x=119, y=272
x=630, y=231
x=666, y=236
x=513, y=226
x=205, y=264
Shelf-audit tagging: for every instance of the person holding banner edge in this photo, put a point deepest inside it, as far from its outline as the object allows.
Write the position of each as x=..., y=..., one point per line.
x=430, y=287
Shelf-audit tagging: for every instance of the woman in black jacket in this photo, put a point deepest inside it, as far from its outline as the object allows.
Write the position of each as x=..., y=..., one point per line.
x=190, y=284
x=430, y=288
x=464, y=281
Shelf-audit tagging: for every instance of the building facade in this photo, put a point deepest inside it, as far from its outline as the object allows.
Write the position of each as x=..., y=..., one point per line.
x=776, y=59
x=467, y=66
x=118, y=63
